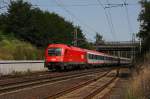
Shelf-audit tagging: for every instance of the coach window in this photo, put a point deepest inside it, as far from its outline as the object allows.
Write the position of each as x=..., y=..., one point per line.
x=90, y=56
x=106, y=58
x=93, y=56
x=87, y=56
x=102, y=57
x=99, y=57
x=96, y=57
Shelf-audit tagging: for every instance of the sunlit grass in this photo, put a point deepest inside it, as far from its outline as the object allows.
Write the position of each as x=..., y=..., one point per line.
x=13, y=49
x=140, y=84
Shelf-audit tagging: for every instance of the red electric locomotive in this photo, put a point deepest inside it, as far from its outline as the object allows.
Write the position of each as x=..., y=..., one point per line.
x=60, y=56
x=64, y=57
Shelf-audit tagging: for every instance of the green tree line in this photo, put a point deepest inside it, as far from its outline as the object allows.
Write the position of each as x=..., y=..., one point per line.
x=144, y=19
x=40, y=28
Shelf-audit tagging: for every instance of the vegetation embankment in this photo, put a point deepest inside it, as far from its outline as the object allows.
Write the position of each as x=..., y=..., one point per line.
x=140, y=84
x=14, y=49
x=26, y=31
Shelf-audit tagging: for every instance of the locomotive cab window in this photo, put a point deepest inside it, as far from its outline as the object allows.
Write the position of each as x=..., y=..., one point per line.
x=54, y=51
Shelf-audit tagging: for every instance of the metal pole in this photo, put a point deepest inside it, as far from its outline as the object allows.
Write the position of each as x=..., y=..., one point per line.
x=133, y=50
x=76, y=33
x=140, y=46
x=75, y=37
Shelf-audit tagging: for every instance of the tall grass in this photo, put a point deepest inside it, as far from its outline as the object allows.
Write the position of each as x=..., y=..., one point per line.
x=13, y=49
x=140, y=84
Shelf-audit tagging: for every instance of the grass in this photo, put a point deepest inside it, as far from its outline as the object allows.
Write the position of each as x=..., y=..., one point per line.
x=140, y=84
x=13, y=49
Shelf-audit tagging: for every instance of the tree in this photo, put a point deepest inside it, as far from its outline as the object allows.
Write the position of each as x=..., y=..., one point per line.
x=144, y=19
x=98, y=39
x=36, y=26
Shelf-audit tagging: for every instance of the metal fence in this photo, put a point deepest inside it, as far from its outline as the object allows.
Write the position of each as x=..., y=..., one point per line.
x=7, y=67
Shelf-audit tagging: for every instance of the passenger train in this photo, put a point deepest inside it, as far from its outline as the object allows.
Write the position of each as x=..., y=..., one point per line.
x=64, y=57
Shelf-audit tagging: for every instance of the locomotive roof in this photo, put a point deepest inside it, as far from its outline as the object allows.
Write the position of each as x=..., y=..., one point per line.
x=58, y=45
x=66, y=46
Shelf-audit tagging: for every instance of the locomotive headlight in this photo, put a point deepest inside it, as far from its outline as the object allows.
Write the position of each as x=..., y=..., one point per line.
x=82, y=56
x=61, y=59
x=53, y=59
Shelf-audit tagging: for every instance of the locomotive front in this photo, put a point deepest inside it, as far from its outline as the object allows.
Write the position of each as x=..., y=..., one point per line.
x=54, y=56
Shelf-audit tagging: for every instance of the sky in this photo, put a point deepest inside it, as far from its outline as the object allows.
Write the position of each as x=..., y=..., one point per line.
x=114, y=23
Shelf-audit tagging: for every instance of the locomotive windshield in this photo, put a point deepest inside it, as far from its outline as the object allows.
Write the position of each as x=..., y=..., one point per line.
x=54, y=51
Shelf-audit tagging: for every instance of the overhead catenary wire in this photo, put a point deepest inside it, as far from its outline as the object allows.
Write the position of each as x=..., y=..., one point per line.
x=66, y=10
x=127, y=17
x=130, y=29
x=107, y=13
x=89, y=5
x=74, y=17
x=111, y=22
x=107, y=17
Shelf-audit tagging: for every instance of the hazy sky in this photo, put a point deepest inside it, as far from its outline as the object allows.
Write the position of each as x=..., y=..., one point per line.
x=91, y=16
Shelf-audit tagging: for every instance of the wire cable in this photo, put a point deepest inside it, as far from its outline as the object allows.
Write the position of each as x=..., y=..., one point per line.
x=111, y=21
x=89, y=5
x=127, y=16
x=107, y=17
x=73, y=16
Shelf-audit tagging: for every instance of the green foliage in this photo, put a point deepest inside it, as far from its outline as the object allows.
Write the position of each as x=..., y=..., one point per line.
x=36, y=26
x=99, y=39
x=13, y=49
x=144, y=19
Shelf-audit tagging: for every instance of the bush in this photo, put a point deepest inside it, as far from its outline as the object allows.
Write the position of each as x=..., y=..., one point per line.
x=13, y=49
x=140, y=85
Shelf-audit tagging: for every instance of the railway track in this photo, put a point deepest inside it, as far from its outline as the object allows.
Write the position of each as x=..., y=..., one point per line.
x=37, y=76
x=100, y=89
x=12, y=86
x=88, y=89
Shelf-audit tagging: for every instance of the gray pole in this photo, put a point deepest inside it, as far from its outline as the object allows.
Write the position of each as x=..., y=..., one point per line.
x=75, y=37
x=140, y=46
